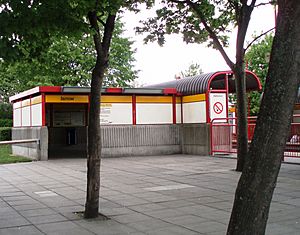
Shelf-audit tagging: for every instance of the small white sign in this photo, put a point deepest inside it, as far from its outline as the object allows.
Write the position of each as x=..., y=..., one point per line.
x=218, y=108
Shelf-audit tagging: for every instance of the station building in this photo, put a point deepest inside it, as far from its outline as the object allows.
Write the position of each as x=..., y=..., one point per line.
x=166, y=118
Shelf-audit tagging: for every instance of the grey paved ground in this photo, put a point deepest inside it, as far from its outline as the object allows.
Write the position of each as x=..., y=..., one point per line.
x=143, y=195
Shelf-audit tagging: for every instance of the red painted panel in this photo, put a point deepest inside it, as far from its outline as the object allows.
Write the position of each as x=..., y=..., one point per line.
x=43, y=110
x=133, y=109
x=114, y=90
x=174, y=108
x=167, y=91
x=52, y=89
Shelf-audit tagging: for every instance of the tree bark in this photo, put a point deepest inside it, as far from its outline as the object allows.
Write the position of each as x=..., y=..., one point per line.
x=243, y=18
x=242, y=122
x=258, y=180
x=94, y=134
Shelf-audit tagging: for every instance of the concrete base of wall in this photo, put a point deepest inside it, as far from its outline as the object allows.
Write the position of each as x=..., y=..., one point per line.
x=139, y=140
x=196, y=139
x=31, y=150
x=141, y=151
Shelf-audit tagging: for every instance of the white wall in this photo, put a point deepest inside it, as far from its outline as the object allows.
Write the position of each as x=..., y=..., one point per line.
x=178, y=113
x=154, y=113
x=36, y=115
x=116, y=113
x=17, y=117
x=194, y=112
x=26, y=116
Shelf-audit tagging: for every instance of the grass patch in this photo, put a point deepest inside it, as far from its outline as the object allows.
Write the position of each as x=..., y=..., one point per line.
x=6, y=156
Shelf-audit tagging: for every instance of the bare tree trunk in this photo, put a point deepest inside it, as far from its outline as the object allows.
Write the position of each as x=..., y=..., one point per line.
x=242, y=122
x=243, y=19
x=258, y=180
x=94, y=133
x=94, y=144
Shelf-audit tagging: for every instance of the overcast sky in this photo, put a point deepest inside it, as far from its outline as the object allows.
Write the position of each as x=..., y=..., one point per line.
x=159, y=64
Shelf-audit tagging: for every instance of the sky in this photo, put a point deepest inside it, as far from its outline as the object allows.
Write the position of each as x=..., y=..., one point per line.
x=159, y=64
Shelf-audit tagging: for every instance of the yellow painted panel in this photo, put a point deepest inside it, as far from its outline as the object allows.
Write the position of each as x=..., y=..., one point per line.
x=231, y=109
x=178, y=100
x=116, y=99
x=67, y=99
x=36, y=100
x=154, y=99
x=193, y=98
x=26, y=103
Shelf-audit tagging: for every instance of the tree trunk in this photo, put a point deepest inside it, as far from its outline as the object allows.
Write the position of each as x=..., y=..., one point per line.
x=243, y=18
x=94, y=133
x=242, y=124
x=258, y=180
x=94, y=143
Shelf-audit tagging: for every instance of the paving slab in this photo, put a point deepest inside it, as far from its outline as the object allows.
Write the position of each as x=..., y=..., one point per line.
x=175, y=194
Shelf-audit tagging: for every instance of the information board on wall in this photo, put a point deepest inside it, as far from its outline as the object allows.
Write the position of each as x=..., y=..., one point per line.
x=218, y=106
x=115, y=113
x=65, y=119
x=106, y=113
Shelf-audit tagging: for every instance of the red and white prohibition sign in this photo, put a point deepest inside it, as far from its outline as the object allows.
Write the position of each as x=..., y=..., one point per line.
x=218, y=107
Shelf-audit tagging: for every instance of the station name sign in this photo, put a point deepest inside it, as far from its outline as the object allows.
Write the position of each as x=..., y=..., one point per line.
x=63, y=98
x=67, y=99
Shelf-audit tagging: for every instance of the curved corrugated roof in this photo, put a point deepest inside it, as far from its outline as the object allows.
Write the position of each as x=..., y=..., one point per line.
x=201, y=83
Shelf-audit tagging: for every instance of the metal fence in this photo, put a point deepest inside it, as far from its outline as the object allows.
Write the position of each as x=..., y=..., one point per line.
x=224, y=136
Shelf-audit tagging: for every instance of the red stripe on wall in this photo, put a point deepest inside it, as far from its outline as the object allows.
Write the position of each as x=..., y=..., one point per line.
x=43, y=110
x=174, y=108
x=133, y=109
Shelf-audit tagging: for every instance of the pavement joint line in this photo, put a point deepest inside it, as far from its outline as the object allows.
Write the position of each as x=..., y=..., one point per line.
x=20, y=214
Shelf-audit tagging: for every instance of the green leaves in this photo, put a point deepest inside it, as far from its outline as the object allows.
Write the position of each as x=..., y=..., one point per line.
x=192, y=70
x=186, y=18
x=67, y=60
x=258, y=61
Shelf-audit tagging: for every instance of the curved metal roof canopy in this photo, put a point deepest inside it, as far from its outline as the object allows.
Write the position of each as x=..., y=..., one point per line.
x=201, y=83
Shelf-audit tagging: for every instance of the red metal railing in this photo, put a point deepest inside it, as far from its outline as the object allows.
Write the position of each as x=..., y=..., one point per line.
x=224, y=138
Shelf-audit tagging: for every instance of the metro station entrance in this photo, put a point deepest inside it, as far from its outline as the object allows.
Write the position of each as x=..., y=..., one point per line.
x=67, y=128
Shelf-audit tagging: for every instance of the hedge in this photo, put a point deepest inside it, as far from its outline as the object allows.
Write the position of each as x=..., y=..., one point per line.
x=5, y=133
x=5, y=122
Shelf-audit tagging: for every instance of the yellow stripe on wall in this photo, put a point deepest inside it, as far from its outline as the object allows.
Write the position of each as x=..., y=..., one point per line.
x=154, y=99
x=193, y=98
x=67, y=99
x=115, y=99
x=26, y=103
x=36, y=100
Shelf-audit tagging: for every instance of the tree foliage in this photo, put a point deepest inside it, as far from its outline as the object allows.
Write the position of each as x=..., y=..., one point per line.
x=6, y=113
x=68, y=61
x=192, y=70
x=258, y=58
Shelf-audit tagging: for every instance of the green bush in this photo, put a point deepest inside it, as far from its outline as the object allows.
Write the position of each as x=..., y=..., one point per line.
x=5, y=133
x=6, y=111
x=5, y=122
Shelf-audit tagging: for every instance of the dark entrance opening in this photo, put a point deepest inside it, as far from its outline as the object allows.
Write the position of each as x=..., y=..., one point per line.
x=67, y=130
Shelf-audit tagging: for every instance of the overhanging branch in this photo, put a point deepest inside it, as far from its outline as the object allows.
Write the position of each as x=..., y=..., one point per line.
x=249, y=45
x=211, y=33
